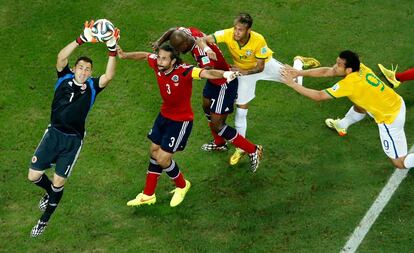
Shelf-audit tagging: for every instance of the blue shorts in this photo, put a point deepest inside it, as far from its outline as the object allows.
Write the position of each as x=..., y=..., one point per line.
x=57, y=148
x=171, y=135
x=222, y=97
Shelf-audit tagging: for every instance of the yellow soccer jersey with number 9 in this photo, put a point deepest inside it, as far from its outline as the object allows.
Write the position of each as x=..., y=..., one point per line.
x=366, y=90
x=245, y=57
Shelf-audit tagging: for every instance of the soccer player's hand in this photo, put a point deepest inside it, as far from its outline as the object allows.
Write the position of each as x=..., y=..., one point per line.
x=121, y=53
x=287, y=77
x=112, y=42
x=295, y=73
x=86, y=35
x=155, y=45
x=210, y=53
x=231, y=75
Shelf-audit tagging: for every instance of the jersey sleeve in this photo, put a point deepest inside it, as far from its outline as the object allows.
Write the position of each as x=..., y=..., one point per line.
x=262, y=51
x=66, y=70
x=195, y=73
x=152, y=61
x=95, y=81
x=340, y=89
x=222, y=35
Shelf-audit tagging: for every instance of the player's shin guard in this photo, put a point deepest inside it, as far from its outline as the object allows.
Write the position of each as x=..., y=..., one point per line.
x=409, y=161
x=351, y=117
x=44, y=183
x=239, y=141
x=174, y=173
x=153, y=173
x=240, y=121
x=54, y=199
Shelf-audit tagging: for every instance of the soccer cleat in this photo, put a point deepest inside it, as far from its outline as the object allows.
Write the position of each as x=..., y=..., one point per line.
x=179, y=194
x=308, y=62
x=43, y=202
x=333, y=124
x=235, y=158
x=255, y=158
x=390, y=75
x=38, y=229
x=211, y=146
x=142, y=199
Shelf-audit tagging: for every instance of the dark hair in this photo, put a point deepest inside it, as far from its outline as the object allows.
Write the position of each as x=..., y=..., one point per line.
x=245, y=19
x=174, y=53
x=85, y=59
x=351, y=60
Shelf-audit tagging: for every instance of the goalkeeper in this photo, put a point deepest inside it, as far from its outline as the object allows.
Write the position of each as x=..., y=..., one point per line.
x=74, y=94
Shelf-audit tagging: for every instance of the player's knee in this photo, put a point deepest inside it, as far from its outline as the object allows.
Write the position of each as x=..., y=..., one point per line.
x=216, y=125
x=164, y=161
x=33, y=175
x=58, y=181
x=398, y=163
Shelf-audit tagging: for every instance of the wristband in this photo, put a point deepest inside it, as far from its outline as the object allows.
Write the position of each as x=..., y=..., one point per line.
x=79, y=41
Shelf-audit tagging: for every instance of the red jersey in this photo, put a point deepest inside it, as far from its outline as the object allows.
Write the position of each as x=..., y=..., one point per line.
x=202, y=59
x=175, y=89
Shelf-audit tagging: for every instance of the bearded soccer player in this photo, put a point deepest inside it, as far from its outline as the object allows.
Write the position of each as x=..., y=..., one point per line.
x=253, y=59
x=173, y=124
x=218, y=94
x=369, y=93
x=75, y=93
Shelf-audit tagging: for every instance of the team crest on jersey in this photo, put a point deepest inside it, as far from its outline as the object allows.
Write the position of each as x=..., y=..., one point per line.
x=263, y=50
x=34, y=159
x=205, y=60
x=175, y=78
x=249, y=52
x=335, y=87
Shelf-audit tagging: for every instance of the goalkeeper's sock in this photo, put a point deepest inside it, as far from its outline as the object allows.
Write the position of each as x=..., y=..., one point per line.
x=44, y=183
x=351, y=117
x=54, y=199
x=405, y=76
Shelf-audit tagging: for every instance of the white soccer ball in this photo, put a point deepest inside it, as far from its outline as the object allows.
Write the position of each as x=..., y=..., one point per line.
x=103, y=30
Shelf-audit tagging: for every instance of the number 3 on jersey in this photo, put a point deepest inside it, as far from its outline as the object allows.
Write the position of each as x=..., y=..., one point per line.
x=168, y=88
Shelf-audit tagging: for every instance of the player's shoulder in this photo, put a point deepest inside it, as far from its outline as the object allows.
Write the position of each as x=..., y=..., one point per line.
x=256, y=36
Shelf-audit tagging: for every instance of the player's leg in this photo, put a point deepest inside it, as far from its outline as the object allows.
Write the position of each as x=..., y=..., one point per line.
x=354, y=115
x=218, y=142
x=65, y=162
x=301, y=62
x=174, y=139
x=406, y=75
x=394, y=142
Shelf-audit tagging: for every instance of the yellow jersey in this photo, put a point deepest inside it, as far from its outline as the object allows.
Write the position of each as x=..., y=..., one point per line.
x=245, y=57
x=366, y=90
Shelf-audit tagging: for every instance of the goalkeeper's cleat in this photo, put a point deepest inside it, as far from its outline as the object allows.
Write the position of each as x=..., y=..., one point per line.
x=308, y=62
x=142, y=199
x=38, y=229
x=333, y=124
x=179, y=194
x=43, y=202
x=211, y=146
x=390, y=75
x=235, y=158
x=255, y=158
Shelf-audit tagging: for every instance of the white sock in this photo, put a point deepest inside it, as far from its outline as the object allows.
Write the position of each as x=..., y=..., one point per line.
x=298, y=64
x=350, y=118
x=240, y=121
x=409, y=161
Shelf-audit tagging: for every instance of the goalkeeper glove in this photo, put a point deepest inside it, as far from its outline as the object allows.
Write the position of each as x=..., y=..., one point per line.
x=86, y=35
x=112, y=42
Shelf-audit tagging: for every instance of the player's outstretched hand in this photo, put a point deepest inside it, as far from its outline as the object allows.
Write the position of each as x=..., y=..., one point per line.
x=211, y=55
x=295, y=73
x=86, y=35
x=155, y=46
x=287, y=77
x=231, y=75
x=112, y=42
x=121, y=53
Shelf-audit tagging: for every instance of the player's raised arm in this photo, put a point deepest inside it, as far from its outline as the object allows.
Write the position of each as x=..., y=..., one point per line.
x=202, y=43
x=132, y=55
x=86, y=36
x=166, y=36
x=217, y=74
x=111, y=44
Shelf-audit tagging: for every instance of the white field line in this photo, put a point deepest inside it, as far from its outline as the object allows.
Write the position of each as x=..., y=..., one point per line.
x=374, y=211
